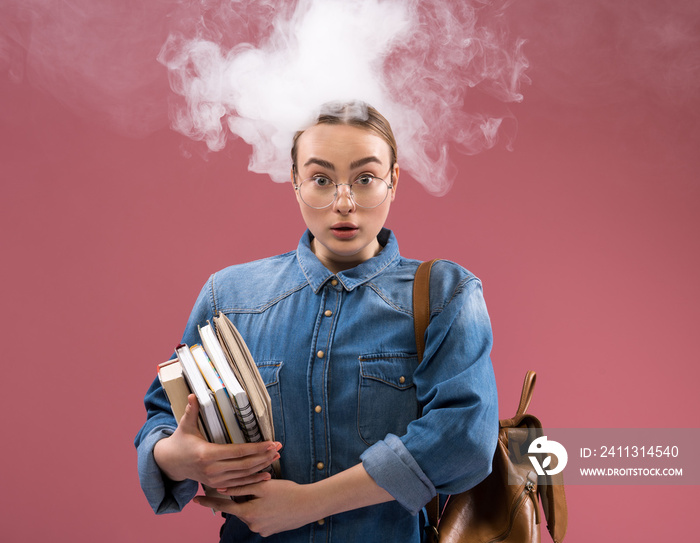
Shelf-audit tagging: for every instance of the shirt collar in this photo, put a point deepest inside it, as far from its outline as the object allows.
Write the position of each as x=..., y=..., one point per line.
x=317, y=274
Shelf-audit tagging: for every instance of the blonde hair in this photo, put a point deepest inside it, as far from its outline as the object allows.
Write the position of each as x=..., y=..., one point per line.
x=354, y=113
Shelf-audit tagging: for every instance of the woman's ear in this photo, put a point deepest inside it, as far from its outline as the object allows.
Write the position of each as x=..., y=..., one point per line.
x=394, y=180
x=293, y=177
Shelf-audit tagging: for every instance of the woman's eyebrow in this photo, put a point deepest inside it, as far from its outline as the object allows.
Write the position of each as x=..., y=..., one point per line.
x=320, y=162
x=361, y=162
x=354, y=164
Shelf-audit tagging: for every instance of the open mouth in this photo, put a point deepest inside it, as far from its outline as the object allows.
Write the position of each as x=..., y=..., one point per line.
x=344, y=231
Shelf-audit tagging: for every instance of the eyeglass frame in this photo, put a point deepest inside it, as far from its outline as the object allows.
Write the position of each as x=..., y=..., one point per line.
x=389, y=185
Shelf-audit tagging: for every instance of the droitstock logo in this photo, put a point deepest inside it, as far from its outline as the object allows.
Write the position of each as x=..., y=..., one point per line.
x=543, y=446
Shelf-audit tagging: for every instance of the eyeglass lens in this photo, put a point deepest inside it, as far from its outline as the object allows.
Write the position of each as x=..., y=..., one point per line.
x=366, y=191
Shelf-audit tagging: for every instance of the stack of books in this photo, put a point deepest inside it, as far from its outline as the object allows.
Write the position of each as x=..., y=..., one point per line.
x=234, y=405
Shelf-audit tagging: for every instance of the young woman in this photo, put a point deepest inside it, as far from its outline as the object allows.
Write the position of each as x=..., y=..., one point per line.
x=330, y=326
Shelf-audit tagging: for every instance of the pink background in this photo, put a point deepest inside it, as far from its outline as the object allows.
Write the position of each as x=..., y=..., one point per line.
x=585, y=236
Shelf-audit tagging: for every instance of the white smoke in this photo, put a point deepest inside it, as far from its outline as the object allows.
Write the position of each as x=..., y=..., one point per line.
x=444, y=73
x=417, y=62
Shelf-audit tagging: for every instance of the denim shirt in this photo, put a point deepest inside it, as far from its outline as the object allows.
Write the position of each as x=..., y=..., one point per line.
x=338, y=356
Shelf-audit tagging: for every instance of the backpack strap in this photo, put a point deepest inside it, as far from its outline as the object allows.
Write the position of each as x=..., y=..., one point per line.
x=421, y=318
x=421, y=304
x=526, y=394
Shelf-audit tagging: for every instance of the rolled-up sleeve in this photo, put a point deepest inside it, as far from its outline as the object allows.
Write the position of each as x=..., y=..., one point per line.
x=449, y=449
x=164, y=495
x=393, y=468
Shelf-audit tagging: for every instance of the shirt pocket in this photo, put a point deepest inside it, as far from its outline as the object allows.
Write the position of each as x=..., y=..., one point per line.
x=269, y=371
x=387, y=396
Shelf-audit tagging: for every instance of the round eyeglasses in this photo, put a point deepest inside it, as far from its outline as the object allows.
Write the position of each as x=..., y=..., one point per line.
x=366, y=191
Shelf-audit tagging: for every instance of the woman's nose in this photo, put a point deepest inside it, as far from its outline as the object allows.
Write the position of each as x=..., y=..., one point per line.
x=344, y=201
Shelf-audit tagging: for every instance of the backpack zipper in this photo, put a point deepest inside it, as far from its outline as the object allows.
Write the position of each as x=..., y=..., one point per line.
x=527, y=490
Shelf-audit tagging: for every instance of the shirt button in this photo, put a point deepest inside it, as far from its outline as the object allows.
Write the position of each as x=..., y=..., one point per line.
x=318, y=409
x=334, y=282
x=320, y=354
x=321, y=522
x=328, y=313
x=402, y=379
x=320, y=465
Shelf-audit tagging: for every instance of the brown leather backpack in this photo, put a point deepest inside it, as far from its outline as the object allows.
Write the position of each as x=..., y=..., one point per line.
x=494, y=510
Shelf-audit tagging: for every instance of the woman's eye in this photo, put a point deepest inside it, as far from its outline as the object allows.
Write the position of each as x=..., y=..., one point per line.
x=322, y=181
x=364, y=180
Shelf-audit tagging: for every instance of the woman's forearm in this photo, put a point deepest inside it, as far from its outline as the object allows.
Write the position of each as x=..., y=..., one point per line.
x=278, y=505
x=347, y=490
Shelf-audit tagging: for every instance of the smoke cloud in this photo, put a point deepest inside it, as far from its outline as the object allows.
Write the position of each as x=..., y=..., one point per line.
x=445, y=73
x=417, y=62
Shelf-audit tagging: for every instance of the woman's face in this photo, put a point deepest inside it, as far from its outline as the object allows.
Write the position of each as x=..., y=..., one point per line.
x=345, y=234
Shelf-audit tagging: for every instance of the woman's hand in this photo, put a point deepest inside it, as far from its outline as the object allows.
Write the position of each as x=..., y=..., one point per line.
x=276, y=506
x=272, y=506
x=187, y=455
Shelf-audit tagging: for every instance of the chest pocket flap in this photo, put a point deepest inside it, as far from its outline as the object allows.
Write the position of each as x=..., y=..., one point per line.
x=387, y=397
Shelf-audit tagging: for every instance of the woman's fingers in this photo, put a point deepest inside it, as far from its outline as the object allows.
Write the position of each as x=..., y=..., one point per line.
x=218, y=504
x=228, y=487
x=232, y=474
x=189, y=423
x=246, y=454
x=234, y=464
x=242, y=459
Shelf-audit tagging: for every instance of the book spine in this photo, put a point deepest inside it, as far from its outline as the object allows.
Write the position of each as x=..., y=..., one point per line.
x=208, y=411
